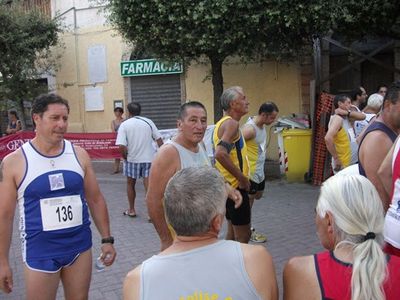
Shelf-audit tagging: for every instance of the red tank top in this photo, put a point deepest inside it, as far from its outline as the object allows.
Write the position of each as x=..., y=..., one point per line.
x=334, y=277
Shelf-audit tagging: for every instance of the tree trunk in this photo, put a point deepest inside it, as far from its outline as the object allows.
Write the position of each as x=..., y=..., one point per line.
x=218, y=86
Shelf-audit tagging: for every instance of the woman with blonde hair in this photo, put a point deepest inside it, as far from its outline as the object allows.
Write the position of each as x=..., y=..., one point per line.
x=349, y=220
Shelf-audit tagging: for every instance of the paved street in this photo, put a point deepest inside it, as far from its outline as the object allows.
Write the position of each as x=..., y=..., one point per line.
x=285, y=213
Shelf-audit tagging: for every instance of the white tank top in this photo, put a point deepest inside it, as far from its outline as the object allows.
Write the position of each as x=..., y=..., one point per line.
x=256, y=150
x=360, y=125
x=214, y=271
x=189, y=158
x=54, y=216
x=352, y=139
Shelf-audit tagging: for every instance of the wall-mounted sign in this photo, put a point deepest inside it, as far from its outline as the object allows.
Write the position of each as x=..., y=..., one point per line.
x=149, y=67
x=118, y=103
x=97, y=63
x=94, y=100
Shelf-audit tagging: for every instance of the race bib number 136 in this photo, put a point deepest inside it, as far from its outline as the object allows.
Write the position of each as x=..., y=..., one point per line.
x=61, y=212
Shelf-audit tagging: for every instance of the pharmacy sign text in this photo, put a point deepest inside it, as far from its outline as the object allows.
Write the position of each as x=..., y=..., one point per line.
x=149, y=67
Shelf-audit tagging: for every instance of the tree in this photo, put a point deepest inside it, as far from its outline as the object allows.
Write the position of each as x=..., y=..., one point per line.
x=26, y=39
x=292, y=24
x=190, y=29
x=257, y=29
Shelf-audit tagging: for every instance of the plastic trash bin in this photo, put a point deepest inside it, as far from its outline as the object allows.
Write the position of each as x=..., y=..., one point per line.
x=297, y=145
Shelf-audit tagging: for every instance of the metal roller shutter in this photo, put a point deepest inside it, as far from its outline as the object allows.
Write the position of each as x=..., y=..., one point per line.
x=159, y=96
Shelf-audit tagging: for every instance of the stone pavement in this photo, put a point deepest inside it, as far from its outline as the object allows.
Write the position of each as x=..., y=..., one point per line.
x=285, y=214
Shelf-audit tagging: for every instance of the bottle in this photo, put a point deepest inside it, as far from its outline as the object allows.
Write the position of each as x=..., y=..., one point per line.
x=99, y=265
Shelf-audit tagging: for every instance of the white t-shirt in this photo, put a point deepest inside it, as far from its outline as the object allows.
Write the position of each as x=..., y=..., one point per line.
x=360, y=125
x=138, y=134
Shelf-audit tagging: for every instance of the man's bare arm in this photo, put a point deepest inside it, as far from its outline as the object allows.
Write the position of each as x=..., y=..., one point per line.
x=8, y=201
x=334, y=127
x=373, y=150
x=124, y=151
x=354, y=114
x=228, y=131
x=300, y=280
x=385, y=172
x=261, y=270
x=248, y=132
x=132, y=285
x=97, y=204
x=357, y=116
x=159, y=142
x=164, y=166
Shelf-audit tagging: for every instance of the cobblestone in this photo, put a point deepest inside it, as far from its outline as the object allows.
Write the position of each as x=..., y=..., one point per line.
x=285, y=214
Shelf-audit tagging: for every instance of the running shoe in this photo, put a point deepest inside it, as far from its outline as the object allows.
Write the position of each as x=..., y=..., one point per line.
x=257, y=237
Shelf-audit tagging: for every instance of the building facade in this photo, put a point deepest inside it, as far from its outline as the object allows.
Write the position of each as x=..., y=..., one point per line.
x=94, y=78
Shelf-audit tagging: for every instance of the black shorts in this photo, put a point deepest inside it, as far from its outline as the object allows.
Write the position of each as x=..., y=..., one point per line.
x=241, y=215
x=256, y=187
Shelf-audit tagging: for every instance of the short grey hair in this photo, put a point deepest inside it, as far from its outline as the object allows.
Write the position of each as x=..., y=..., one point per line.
x=375, y=101
x=229, y=95
x=192, y=198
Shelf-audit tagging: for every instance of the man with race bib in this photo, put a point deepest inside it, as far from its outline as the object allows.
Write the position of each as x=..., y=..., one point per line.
x=55, y=186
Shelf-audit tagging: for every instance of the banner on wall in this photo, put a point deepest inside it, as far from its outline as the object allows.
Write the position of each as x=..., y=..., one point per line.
x=98, y=145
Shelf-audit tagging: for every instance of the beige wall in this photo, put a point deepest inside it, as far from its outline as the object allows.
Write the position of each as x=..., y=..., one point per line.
x=272, y=81
x=269, y=81
x=73, y=78
x=66, y=81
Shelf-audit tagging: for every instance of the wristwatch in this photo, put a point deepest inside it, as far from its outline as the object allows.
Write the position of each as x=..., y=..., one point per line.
x=108, y=240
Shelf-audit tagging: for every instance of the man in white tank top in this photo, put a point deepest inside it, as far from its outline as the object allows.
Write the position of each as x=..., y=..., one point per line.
x=54, y=184
x=203, y=266
x=255, y=135
x=186, y=149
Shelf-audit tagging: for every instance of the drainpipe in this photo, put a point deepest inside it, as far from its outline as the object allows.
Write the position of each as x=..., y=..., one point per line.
x=317, y=62
x=78, y=73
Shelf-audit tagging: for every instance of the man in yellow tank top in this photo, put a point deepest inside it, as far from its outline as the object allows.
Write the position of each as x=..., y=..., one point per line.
x=340, y=138
x=232, y=162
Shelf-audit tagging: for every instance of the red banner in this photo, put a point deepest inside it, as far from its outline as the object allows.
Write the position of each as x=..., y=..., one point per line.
x=98, y=145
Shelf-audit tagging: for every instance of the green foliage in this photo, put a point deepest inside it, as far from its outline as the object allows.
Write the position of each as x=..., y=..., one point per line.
x=360, y=18
x=26, y=39
x=290, y=24
x=221, y=28
x=260, y=29
x=188, y=29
